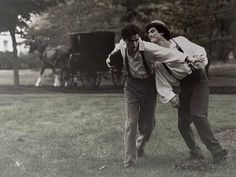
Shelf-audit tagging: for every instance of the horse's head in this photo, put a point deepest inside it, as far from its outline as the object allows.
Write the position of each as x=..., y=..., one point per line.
x=33, y=46
x=38, y=44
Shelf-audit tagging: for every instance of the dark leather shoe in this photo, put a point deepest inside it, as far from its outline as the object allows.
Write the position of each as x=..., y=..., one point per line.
x=220, y=156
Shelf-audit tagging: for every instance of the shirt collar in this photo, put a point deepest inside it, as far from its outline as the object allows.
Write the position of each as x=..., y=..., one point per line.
x=141, y=45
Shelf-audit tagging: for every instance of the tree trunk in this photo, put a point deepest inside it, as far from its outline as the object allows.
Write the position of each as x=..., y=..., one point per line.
x=15, y=58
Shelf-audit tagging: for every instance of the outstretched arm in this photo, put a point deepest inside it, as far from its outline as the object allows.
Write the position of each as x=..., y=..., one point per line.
x=167, y=55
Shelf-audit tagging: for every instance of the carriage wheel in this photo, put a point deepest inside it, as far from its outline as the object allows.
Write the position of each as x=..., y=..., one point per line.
x=118, y=78
x=66, y=77
x=88, y=79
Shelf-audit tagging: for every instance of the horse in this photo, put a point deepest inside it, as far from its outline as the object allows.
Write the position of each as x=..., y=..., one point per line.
x=51, y=57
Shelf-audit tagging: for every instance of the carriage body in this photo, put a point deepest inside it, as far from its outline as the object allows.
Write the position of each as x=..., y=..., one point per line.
x=88, y=53
x=92, y=46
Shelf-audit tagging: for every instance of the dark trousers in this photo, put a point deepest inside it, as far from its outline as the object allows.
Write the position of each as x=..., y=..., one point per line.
x=140, y=103
x=194, y=98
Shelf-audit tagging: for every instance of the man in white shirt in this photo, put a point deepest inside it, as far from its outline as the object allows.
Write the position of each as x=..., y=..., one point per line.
x=194, y=91
x=139, y=59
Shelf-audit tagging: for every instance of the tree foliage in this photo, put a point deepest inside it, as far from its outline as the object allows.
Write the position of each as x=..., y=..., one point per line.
x=209, y=23
x=16, y=13
x=77, y=16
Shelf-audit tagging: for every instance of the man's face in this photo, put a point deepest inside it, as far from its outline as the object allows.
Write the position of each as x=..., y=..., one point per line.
x=132, y=43
x=154, y=35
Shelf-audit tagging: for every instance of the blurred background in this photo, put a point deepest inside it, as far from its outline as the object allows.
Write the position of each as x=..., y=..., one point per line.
x=210, y=23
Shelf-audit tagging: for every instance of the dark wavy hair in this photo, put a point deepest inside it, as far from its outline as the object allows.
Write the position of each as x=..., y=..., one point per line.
x=129, y=30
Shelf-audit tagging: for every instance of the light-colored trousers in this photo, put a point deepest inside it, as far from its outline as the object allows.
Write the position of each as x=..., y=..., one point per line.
x=140, y=103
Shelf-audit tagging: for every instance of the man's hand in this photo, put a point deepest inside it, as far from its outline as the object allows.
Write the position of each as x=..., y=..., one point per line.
x=175, y=102
x=195, y=59
x=108, y=62
x=199, y=63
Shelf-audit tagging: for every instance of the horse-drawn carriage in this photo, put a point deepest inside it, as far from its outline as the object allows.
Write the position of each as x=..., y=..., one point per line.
x=88, y=52
x=83, y=62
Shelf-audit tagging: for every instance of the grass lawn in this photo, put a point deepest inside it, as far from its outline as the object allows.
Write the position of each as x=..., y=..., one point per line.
x=72, y=135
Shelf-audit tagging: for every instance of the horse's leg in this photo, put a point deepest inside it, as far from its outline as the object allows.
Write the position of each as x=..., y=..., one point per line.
x=37, y=84
x=56, y=78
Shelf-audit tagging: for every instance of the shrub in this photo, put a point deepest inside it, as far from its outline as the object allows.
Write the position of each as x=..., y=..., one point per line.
x=29, y=61
x=5, y=60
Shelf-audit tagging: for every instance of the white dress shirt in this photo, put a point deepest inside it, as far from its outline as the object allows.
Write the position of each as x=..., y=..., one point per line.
x=178, y=71
x=152, y=53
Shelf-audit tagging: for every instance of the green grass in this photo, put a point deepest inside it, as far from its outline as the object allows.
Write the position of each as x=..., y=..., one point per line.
x=70, y=135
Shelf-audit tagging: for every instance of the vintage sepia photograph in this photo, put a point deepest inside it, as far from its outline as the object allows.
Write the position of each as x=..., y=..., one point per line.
x=117, y=88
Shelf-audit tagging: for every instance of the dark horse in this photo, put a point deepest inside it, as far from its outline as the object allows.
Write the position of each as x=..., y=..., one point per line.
x=51, y=57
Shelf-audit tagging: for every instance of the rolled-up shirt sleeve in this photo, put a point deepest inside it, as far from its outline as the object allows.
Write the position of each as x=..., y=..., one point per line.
x=196, y=49
x=200, y=51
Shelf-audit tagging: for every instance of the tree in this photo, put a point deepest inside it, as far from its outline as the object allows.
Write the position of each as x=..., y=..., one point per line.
x=76, y=16
x=209, y=23
x=16, y=13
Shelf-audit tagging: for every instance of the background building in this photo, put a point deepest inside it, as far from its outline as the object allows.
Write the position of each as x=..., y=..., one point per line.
x=6, y=43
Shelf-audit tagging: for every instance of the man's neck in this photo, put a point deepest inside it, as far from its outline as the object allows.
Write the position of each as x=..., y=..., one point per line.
x=165, y=43
x=131, y=53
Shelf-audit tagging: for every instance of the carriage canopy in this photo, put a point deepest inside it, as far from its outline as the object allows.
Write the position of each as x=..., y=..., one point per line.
x=94, y=46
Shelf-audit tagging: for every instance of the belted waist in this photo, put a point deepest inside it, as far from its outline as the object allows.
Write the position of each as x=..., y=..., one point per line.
x=139, y=84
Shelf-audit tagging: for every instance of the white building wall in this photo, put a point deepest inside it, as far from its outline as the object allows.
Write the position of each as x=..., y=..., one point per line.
x=6, y=43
